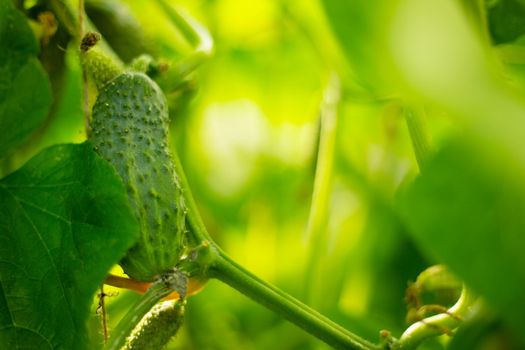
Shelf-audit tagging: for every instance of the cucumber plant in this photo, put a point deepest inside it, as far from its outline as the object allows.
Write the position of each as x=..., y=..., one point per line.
x=160, y=240
x=129, y=128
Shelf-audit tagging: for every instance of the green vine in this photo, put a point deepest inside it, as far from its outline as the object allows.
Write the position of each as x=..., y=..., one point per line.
x=437, y=324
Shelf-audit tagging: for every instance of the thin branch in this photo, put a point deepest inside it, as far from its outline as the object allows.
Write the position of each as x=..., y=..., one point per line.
x=195, y=285
x=229, y=272
x=85, y=85
x=194, y=33
x=322, y=188
x=81, y=18
x=216, y=264
x=103, y=313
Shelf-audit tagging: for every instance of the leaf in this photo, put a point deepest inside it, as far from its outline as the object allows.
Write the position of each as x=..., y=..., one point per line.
x=361, y=29
x=64, y=221
x=467, y=210
x=484, y=331
x=447, y=64
x=506, y=20
x=25, y=92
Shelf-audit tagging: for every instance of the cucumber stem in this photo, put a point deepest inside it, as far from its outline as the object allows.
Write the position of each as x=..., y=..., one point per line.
x=127, y=283
x=234, y=275
x=101, y=66
x=223, y=268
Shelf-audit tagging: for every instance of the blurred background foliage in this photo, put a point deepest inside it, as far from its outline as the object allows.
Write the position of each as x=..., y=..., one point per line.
x=247, y=126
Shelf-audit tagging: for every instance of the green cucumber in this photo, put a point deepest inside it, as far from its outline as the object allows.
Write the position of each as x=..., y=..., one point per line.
x=157, y=327
x=129, y=128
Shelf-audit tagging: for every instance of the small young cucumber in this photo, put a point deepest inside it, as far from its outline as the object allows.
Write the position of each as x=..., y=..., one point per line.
x=129, y=128
x=157, y=327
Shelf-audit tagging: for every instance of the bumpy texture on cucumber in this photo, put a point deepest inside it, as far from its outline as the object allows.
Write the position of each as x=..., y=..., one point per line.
x=158, y=326
x=130, y=130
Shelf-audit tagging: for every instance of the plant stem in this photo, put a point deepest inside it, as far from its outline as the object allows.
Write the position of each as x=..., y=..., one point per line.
x=197, y=227
x=196, y=35
x=418, y=134
x=229, y=272
x=223, y=268
x=194, y=285
x=85, y=86
x=437, y=324
x=127, y=283
x=103, y=313
x=65, y=13
x=318, y=218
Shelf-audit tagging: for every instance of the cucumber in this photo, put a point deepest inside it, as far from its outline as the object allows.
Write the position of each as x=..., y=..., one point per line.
x=157, y=327
x=129, y=128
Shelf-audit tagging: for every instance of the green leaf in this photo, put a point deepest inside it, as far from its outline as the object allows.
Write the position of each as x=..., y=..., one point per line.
x=507, y=20
x=484, y=331
x=446, y=62
x=25, y=92
x=64, y=221
x=467, y=210
x=361, y=29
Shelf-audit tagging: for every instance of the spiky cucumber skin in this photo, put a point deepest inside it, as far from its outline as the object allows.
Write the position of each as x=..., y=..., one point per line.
x=157, y=327
x=130, y=130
